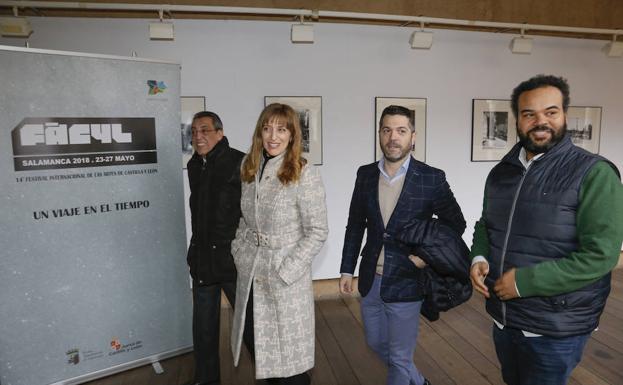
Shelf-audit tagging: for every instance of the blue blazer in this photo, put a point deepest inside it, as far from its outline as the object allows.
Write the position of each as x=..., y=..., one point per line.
x=425, y=193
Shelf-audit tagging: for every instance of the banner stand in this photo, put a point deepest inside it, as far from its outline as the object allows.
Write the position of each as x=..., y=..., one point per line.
x=93, y=223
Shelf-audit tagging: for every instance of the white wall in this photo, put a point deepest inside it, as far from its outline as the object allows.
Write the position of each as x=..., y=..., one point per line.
x=236, y=63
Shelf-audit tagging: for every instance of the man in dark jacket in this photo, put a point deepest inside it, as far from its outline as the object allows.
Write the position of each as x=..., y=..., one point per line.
x=388, y=195
x=550, y=234
x=214, y=179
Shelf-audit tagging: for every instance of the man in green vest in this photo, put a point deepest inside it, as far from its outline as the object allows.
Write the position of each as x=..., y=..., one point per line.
x=550, y=233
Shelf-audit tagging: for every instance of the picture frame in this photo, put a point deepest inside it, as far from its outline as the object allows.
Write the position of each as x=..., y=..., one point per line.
x=418, y=107
x=309, y=110
x=493, y=129
x=190, y=105
x=584, y=126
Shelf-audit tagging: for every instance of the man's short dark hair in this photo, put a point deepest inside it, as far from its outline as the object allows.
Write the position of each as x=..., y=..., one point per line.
x=399, y=110
x=216, y=121
x=539, y=81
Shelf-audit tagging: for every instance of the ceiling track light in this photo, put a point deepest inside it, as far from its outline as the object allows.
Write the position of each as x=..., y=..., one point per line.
x=614, y=48
x=302, y=33
x=162, y=30
x=420, y=39
x=521, y=44
x=15, y=26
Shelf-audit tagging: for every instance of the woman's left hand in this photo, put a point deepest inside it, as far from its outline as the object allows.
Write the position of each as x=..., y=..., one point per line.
x=417, y=261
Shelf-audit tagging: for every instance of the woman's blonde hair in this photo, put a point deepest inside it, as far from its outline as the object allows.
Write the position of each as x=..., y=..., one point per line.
x=293, y=162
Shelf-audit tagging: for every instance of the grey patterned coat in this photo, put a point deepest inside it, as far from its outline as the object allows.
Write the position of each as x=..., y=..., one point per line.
x=281, y=230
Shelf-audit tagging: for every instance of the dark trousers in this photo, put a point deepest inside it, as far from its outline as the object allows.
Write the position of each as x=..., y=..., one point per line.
x=536, y=360
x=299, y=379
x=206, y=325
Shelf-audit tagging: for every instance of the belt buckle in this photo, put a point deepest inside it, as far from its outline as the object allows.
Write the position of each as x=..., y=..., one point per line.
x=257, y=238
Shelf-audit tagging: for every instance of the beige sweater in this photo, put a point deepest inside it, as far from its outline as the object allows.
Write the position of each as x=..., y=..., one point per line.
x=388, y=197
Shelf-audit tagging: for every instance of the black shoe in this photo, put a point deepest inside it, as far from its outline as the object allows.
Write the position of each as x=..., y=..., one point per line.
x=426, y=382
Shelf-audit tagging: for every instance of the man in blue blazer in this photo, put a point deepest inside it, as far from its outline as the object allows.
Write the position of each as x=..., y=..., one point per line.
x=389, y=194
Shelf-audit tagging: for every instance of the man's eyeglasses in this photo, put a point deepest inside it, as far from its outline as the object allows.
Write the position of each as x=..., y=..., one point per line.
x=202, y=132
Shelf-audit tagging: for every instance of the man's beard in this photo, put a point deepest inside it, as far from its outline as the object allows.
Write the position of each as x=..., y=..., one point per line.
x=403, y=153
x=535, y=148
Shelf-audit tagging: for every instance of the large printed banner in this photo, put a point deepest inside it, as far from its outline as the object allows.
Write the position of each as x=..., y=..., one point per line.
x=93, y=276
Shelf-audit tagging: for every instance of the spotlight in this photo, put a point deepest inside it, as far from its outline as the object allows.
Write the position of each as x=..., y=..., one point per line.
x=15, y=26
x=162, y=30
x=614, y=48
x=522, y=45
x=420, y=39
x=302, y=33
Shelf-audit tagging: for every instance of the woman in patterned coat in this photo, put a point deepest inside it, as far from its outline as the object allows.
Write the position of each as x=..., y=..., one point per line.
x=283, y=226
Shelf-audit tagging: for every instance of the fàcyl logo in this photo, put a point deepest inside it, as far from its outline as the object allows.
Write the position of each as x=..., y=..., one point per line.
x=55, y=133
x=49, y=143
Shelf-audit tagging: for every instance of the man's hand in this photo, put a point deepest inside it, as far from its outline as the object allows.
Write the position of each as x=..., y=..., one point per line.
x=505, y=287
x=417, y=261
x=346, y=284
x=478, y=273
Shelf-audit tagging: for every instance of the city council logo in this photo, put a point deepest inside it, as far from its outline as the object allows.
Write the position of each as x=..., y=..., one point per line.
x=73, y=356
x=115, y=344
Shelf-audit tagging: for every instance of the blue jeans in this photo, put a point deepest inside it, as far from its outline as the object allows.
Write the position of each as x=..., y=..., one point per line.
x=391, y=332
x=536, y=360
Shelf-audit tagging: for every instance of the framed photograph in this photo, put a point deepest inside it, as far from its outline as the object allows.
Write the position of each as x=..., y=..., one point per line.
x=417, y=106
x=309, y=109
x=190, y=106
x=493, y=129
x=584, y=126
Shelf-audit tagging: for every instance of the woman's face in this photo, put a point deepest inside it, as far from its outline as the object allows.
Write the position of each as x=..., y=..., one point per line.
x=275, y=136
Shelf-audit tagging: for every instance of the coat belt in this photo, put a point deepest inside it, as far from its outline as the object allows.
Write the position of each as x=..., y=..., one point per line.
x=271, y=241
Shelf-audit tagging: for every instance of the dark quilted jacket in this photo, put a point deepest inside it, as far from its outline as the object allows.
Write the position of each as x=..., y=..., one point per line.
x=531, y=218
x=215, y=211
x=447, y=257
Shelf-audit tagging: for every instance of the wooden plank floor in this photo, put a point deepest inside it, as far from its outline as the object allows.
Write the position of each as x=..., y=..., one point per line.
x=455, y=350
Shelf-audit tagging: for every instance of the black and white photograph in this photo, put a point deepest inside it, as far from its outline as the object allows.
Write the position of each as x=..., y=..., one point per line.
x=493, y=129
x=584, y=126
x=190, y=105
x=496, y=129
x=309, y=110
x=418, y=107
